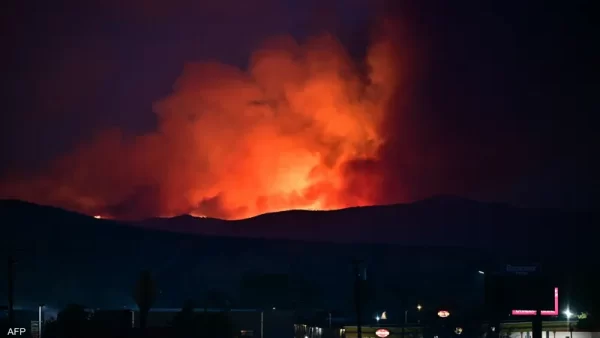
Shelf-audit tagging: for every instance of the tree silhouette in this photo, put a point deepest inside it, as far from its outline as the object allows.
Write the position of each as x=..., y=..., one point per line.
x=71, y=322
x=185, y=323
x=190, y=324
x=217, y=325
x=589, y=322
x=145, y=296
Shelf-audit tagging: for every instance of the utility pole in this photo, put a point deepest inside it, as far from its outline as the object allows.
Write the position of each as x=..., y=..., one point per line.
x=405, y=317
x=536, y=327
x=570, y=330
x=358, y=296
x=262, y=323
x=11, y=291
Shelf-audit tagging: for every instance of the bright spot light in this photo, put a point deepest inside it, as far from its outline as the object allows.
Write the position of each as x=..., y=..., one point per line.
x=419, y=307
x=568, y=313
x=481, y=272
x=97, y=217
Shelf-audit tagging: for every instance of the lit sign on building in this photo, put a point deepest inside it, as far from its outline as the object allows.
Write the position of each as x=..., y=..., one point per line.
x=543, y=312
x=443, y=314
x=382, y=333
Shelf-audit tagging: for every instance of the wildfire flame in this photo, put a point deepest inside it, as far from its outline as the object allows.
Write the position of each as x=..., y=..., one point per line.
x=289, y=132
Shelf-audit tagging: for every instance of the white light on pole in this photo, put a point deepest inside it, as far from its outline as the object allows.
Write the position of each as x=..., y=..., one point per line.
x=481, y=272
x=40, y=310
x=569, y=314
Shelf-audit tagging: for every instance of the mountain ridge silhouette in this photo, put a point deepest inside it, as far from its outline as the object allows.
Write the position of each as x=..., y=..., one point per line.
x=69, y=257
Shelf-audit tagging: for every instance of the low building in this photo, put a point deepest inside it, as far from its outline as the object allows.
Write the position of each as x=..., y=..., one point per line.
x=407, y=331
x=521, y=329
x=550, y=329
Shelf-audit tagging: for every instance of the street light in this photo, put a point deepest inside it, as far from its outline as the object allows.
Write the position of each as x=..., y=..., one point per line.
x=419, y=307
x=569, y=314
x=481, y=272
x=40, y=314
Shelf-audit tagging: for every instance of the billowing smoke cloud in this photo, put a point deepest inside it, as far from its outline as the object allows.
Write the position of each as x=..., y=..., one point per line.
x=301, y=127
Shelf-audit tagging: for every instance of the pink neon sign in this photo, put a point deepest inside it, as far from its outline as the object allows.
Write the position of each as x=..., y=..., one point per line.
x=543, y=312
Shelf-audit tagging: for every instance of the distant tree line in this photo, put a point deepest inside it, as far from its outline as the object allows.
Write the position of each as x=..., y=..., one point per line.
x=257, y=290
x=76, y=322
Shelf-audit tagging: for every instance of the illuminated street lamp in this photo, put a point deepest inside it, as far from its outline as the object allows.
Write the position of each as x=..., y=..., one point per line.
x=569, y=314
x=40, y=316
x=419, y=307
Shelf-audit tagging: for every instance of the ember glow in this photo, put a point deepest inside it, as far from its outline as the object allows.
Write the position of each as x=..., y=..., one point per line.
x=289, y=132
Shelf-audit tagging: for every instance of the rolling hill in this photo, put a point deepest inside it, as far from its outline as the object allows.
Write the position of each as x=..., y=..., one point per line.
x=67, y=257
x=438, y=221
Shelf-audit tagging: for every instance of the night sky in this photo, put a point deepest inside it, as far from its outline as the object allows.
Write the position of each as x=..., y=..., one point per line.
x=490, y=100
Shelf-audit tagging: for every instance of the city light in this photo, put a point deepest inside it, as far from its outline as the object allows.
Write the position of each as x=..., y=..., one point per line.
x=568, y=313
x=419, y=307
x=481, y=272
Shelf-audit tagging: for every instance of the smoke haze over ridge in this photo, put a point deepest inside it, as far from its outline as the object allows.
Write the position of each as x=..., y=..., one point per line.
x=126, y=112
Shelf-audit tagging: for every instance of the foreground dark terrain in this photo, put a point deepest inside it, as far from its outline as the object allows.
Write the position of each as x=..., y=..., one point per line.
x=428, y=250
